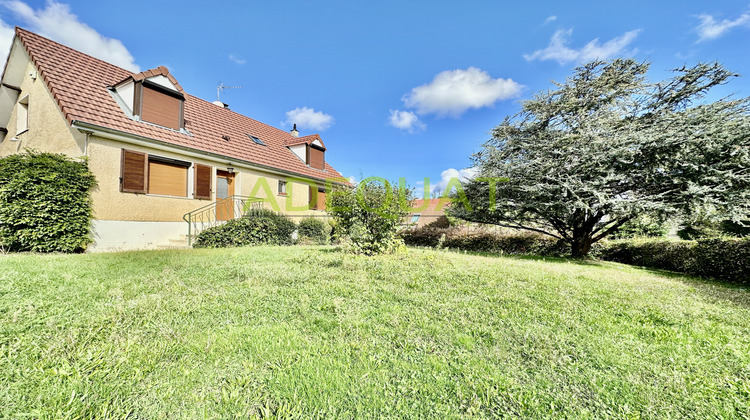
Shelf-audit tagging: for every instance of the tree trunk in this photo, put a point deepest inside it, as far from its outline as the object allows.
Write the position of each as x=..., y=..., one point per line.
x=581, y=245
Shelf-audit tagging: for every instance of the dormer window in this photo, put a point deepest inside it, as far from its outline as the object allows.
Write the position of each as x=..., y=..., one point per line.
x=316, y=157
x=153, y=96
x=159, y=105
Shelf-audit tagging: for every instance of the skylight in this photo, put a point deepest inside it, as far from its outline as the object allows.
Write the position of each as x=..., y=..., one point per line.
x=257, y=140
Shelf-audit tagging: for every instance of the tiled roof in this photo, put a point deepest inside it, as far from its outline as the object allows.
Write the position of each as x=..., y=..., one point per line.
x=305, y=140
x=79, y=83
x=159, y=71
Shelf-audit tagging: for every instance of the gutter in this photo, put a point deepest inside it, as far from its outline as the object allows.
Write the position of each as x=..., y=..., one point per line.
x=122, y=136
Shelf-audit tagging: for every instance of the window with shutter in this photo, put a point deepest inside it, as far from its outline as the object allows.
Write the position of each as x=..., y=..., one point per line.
x=167, y=178
x=134, y=169
x=202, y=182
x=317, y=158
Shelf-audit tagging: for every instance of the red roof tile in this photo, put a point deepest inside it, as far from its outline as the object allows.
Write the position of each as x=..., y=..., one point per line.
x=79, y=83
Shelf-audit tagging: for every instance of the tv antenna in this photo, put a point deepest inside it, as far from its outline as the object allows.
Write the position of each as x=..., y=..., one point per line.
x=220, y=89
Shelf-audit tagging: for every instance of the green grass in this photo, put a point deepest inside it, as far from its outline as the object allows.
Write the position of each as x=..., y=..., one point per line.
x=309, y=332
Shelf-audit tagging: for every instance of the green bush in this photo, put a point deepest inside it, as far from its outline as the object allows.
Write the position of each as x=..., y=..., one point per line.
x=726, y=259
x=45, y=203
x=522, y=243
x=313, y=230
x=367, y=217
x=258, y=227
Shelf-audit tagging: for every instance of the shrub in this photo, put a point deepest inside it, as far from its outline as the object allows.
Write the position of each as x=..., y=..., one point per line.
x=370, y=215
x=257, y=227
x=726, y=259
x=313, y=230
x=522, y=243
x=45, y=203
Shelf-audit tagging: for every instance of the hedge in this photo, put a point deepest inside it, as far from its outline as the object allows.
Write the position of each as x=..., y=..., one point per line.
x=259, y=227
x=726, y=259
x=313, y=230
x=521, y=243
x=45, y=203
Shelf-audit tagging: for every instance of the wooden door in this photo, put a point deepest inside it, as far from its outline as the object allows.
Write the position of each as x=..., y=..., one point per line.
x=224, y=190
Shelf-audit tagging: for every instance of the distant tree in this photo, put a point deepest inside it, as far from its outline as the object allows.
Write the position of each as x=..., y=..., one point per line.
x=607, y=146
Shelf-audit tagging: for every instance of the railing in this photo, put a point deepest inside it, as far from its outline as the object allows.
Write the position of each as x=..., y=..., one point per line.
x=218, y=212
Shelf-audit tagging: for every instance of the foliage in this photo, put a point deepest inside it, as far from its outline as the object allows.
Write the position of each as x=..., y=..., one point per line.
x=522, y=243
x=45, y=203
x=639, y=227
x=370, y=215
x=304, y=332
x=726, y=259
x=706, y=228
x=607, y=146
x=257, y=227
x=313, y=230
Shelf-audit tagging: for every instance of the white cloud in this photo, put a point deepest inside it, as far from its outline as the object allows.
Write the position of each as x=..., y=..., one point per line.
x=550, y=19
x=447, y=175
x=237, y=59
x=559, y=51
x=6, y=38
x=406, y=120
x=710, y=28
x=56, y=22
x=452, y=92
x=308, y=118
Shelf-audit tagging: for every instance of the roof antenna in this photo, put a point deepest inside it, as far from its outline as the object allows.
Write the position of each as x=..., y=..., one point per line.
x=220, y=89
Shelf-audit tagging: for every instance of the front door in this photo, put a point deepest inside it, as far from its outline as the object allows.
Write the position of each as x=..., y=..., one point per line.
x=224, y=189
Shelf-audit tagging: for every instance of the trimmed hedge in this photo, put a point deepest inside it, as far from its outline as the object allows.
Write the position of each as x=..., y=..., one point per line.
x=45, y=203
x=726, y=259
x=258, y=227
x=313, y=230
x=522, y=243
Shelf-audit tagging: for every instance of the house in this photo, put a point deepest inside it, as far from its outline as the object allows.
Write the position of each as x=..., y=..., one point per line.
x=428, y=212
x=160, y=155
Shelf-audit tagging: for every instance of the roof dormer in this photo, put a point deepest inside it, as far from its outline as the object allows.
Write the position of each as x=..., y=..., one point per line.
x=154, y=96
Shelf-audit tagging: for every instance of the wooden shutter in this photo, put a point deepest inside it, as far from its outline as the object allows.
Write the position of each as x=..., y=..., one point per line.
x=320, y=203
x=160, y=108
x=133, y=172
x=317, y=158
x=202, y=182
x=167, y=179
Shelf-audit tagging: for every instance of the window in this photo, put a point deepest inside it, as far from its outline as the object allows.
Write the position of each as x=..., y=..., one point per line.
x=167, y=177
x=142, y=173
x=316, y=157
x=22, y=115
x=159, y=105
x=256, y=140
x=414, y=218
x=282, y=187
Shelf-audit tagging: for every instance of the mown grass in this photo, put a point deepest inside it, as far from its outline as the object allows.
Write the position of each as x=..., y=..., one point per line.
x=308, y=332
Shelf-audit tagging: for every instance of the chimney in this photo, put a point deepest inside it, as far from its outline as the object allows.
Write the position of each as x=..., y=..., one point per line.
x=295, y=133
x=221, y=104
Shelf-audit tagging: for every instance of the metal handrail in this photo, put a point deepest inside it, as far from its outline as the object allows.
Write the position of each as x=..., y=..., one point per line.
x=206, y=217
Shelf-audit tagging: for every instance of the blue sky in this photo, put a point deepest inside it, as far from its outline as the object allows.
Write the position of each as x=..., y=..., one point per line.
x=395, y=88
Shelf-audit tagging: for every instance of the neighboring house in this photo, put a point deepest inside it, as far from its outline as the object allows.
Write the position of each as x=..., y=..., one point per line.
x=157, y=152
x=423, y=214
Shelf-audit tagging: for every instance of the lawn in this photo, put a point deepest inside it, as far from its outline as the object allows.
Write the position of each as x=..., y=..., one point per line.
x=310, y=332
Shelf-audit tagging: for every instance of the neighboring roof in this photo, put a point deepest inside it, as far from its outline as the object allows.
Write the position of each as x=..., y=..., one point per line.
x=79, y=83
x=305, y=140
x=432, y=206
